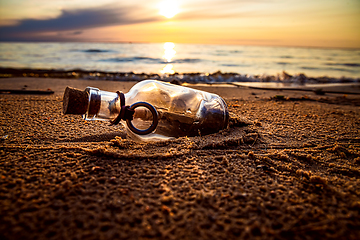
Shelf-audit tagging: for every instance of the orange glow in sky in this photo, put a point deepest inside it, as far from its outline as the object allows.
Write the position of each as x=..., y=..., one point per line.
x=320, y=23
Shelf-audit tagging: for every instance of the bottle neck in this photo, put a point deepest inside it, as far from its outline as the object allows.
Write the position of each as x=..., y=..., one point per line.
x=94, y=101
x=102, y=105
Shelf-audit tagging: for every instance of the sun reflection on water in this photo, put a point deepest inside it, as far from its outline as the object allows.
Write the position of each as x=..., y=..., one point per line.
x=169, y=54
x=168, y=69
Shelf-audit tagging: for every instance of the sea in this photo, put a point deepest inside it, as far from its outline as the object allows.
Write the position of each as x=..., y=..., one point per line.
x=170, y=58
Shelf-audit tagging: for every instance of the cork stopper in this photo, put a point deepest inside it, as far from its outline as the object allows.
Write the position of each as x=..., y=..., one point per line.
x=75, y=101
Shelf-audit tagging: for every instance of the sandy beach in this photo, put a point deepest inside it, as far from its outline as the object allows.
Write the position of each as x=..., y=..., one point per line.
x=287, y=167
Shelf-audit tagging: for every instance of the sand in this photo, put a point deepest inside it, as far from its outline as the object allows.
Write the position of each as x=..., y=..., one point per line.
x=288, y=167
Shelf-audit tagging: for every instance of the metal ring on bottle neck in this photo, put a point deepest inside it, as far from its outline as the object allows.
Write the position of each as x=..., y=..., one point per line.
x=154, y=115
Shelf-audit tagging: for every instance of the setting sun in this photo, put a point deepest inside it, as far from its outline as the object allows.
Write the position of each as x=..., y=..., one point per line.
x=168, y=8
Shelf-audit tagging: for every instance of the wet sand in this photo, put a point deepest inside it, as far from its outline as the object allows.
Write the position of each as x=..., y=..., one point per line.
x=288, y=167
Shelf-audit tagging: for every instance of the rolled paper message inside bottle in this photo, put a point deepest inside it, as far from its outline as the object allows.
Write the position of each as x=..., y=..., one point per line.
x=152, y=110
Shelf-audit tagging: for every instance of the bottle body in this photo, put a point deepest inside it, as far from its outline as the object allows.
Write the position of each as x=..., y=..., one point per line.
x=182, y=111
x=158, y=110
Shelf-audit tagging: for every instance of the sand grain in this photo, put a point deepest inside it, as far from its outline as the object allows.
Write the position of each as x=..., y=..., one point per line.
x=284, y=169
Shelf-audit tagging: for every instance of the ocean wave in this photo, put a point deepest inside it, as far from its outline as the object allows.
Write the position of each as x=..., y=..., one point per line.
x=341, y=69
x=309, y=68
x=235, y=51
x=196, y=77
x=283, y=63
x=91, y=50
x=338, y=69
x=226, y=52
x=187, y=60
x=152, y=60
x=133, y=59
x=235, y=65
x=230, y=65
x=220, y=54
x=286, y=56
x=344, y=64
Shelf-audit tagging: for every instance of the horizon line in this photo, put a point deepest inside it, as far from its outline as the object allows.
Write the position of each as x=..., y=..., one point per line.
x=144, y=42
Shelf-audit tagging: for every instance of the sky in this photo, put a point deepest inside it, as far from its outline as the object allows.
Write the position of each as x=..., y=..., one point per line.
x=307, y=23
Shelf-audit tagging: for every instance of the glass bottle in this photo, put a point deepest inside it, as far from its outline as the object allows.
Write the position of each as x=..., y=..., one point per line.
x=154, y=110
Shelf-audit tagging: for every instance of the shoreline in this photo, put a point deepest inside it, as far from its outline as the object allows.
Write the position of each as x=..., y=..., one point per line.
x=228, y=91
x=196, y=77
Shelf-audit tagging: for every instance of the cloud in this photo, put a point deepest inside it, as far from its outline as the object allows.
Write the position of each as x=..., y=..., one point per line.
x=77, y=32
x=76, y=20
